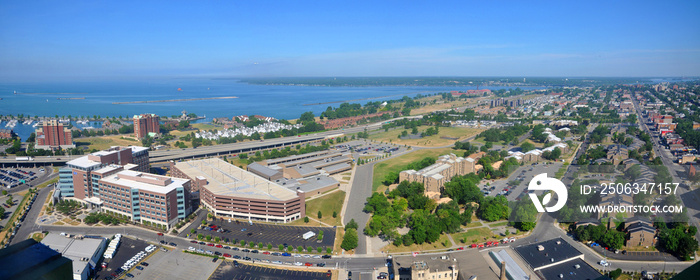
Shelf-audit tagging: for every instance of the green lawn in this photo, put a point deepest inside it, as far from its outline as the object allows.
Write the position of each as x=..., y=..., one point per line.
x=327, y=204
x=479, y=234
x=458, y=133
x=399, y=163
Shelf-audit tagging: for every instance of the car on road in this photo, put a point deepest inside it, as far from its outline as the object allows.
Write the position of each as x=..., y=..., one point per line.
x=321, y=264
x=219, y=246
x=210, y=244
x=160, y=234
x=285, y=254
x=326, y=256
x=308, y=264
x=227, y=255
x=298, y=263
x=172, y=244
x=194, y=242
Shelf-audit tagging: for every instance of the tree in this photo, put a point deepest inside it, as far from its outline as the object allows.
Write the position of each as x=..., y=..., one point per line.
x=306, y=219
x=306, y=117
x=335, y=214
x=493, y=208
x=320, y=215
x=350, y=239
x=527, y=146
x=351, y=224
x=615, y=273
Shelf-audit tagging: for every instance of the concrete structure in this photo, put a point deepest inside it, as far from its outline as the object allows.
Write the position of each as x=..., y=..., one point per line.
x=145, y=124
x=30, y=260
x=229, y=191
x=84, y=252
x=53, y=135
x=435, y=176
x=326, y=162
x=144, y=197
x=79, y=178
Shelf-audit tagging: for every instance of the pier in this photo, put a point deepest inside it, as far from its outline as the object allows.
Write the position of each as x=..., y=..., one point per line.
x=175, y=100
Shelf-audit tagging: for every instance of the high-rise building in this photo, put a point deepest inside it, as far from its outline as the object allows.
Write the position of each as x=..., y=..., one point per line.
x=79, y=177
x=146, y=124
x=52, y=135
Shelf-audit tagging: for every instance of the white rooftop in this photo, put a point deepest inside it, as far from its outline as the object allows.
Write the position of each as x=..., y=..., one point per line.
x=124, y=178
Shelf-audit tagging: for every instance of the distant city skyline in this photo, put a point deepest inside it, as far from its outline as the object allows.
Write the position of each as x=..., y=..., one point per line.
x=87, y=40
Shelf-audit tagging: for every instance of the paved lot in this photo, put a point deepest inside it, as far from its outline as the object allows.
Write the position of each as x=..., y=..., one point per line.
x=249, y=272
x=360, y=148
x=176, y=264
x=525, y=174
x=271, y=234
x=127, y=249
x=10, y=176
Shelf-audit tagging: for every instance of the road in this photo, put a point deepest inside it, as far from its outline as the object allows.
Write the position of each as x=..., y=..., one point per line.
x=688, y=197
x=29, y=224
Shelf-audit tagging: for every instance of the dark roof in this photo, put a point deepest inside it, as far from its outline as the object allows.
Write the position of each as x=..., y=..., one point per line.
x=555, y=250
x=635, y=219
x=640, y=227
x=689, y=273
x=588, y=221
x=568, y=270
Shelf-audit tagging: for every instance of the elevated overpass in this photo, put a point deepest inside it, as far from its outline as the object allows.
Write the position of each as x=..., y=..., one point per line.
x=206, y=151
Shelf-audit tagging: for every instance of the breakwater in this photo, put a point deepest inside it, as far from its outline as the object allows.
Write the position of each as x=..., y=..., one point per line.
x=175, y=100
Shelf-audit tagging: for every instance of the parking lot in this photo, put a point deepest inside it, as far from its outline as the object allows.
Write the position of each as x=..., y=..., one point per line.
x=228, y=270
x=127, y=249
x=176, y=264
x=524, y=174
x=361, y=148
x=14, y=177
x=269, y=234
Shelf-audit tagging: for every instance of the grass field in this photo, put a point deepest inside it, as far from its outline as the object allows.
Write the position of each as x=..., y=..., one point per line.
x=104, y=142
x=207, y=126
x=327, y=204
x=434, y=107
x=399, y=163
x=479, y=234
x=422, y=247
x=459, y=133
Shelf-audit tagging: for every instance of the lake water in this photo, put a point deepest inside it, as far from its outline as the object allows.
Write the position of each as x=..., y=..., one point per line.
x=274, y=101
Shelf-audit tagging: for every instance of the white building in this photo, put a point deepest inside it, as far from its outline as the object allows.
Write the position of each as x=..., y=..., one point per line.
x=84, y=252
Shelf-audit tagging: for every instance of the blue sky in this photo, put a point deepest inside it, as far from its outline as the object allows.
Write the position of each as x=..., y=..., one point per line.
x=48, y=40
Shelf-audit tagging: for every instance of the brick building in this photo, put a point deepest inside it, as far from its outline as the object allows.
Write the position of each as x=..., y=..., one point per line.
x=146, y=124
x=435, y=176
x=53, y=135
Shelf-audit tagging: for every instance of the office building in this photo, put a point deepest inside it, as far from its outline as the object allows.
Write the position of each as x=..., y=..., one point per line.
x=229, y=191
x=146, y=198
x=79, y=178
x=146, y=125
x=53, y=135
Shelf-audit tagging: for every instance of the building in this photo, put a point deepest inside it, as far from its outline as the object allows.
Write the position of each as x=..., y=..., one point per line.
x=83, y=252
x=326, y=162
x=436, y=175
x=53, y=135
x=617, y=153
x=79, y=178
x=409, y=268
x=229, y=191
x=6, y=133
x=557, y=259
x=146, y=198
x=30, y=260
x=146, y=125
x=640, y=232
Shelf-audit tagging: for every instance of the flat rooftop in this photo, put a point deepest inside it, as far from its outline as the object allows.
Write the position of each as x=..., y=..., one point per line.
x=126, y=180
x=74, y=249
x=547, y=252
x=228, y=180
x=574, y=269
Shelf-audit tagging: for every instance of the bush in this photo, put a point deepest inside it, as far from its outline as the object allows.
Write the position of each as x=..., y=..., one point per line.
x=300, y=249
x=319, y=249
x=280, y=247
x=306, y=219
x=243, y=243
x=329, y=250
x=320, y=215
x=615, y=273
